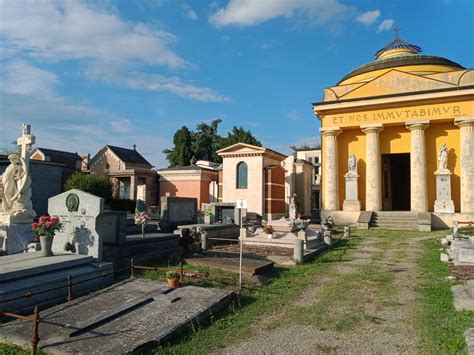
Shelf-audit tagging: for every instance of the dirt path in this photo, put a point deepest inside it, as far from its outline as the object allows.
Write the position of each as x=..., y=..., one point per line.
x=363, y=304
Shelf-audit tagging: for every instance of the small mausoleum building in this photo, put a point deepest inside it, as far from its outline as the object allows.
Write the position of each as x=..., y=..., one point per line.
x=198, y=180
x=266, y=179
x=131, y=174
x=398, y=135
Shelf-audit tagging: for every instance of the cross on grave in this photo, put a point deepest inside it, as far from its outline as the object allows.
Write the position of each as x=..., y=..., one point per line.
x=25, y=142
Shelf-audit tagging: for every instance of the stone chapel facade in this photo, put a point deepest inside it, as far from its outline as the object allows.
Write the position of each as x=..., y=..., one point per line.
x=394, y=115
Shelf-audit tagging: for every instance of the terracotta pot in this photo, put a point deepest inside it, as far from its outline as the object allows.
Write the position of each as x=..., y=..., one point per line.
x=46, y=242
x=173, y=283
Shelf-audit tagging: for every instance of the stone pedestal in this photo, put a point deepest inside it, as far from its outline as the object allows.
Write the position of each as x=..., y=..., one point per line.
x=351, y=203
x=16, y=236
x=443, y=203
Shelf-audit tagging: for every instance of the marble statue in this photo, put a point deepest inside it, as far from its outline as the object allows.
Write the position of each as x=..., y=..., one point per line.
x=352, y=165
x=293, y=206
x=16, y=197
x=443, y=156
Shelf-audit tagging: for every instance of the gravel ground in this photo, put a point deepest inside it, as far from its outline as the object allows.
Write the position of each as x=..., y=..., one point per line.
x=387, y=325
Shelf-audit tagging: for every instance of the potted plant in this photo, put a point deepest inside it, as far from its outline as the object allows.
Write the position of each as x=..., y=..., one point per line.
x=268, y=229
x=45, y=229
x=141, y=219
x=172, y=277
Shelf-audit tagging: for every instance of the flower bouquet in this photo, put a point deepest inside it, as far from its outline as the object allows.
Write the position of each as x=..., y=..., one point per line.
x=268, y=229
x=45, y=229
x=141, y=219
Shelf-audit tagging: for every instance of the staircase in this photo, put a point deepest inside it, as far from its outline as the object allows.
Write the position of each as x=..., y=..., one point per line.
x=396, y=220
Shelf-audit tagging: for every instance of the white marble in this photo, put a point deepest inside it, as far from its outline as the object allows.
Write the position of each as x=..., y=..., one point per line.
x=443, y=203
x=79, y=217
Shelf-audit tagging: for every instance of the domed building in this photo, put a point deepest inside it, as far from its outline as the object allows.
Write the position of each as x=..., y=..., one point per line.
x=398, y=136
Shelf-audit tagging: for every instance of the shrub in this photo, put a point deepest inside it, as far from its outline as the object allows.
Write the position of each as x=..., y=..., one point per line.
x=172, y=275
x=95, y=184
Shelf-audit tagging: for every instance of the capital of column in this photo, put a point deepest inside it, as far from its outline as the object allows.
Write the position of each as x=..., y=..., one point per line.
x=464, y=121
x=417, y=125
x=372, y=128
x=330, y=131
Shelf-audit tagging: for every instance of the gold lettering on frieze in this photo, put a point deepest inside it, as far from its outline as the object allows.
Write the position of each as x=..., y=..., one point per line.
x=400, y=114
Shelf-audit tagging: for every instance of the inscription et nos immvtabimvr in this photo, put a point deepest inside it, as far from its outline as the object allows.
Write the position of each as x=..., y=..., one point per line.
x=399, y=114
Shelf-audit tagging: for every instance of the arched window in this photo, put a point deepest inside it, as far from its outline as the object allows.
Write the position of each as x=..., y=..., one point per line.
x=242, y=175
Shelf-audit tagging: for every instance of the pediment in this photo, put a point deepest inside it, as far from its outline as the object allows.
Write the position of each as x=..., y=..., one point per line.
x=241, y=148
x=397, y=82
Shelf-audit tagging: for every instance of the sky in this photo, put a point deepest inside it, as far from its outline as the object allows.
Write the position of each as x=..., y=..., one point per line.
x=89, y=73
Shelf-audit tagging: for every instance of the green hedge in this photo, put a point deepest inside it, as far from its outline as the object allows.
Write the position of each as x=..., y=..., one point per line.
x=95, y=184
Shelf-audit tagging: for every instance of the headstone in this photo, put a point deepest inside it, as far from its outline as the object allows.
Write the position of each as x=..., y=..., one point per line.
x=224, y=212
x=351, y=203
x=79, y=213
x=177, y=211
x=140, y=206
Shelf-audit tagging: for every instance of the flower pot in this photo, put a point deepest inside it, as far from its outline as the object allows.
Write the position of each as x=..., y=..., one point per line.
x=270, y=235
x=173, y=283
x=46, y=242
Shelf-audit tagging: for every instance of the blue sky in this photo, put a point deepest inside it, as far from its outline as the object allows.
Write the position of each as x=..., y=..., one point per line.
x=90, y=73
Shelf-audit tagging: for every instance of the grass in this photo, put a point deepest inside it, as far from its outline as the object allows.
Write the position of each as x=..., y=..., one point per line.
x=440, y=327
x=254, y=305
x=6, y=349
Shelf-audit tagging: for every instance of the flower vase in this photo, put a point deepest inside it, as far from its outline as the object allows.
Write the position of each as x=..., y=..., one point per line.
x=270, y=235
x=46, y=242
x=143, y=230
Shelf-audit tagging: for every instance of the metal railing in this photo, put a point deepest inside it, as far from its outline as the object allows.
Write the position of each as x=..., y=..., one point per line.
x=35, y=319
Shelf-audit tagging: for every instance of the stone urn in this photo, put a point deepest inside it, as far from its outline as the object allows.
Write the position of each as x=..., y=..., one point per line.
x=46, y=242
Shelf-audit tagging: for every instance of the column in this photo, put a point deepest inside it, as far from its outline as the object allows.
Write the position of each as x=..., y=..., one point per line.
x=466, y=125
x=418, y=174
x=330, y=176
x=373, y=174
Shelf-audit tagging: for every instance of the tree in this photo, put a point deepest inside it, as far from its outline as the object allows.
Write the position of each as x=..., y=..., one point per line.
x=239, y=135
x=206, y=141
x=182, y=152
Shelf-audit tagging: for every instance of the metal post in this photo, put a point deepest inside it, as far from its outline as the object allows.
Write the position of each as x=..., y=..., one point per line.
x=69, y=288
x=35, y=337
x=241, y=249
x=132, y=267
x=181, y=274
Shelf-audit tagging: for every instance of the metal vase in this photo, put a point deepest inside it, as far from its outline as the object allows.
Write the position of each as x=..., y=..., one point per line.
x=46, y=242
x=143, y=230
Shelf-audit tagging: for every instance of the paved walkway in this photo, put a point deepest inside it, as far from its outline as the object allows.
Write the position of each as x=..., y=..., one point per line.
x=363, y=304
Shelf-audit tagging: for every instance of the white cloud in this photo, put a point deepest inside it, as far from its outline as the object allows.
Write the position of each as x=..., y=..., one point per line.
x=28, y=94
x=251, y=12
x=369, y=17
x=270, y=44
x=386, y=25
x=23, y=79
x=152, y=82
x=188, y=12
x=78, y=30
x=293, y=115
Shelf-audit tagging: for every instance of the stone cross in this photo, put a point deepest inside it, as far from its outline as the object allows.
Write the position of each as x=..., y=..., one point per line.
x=25, y=142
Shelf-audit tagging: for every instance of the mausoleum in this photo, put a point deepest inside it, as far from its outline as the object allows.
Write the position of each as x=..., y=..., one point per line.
x=407, y=122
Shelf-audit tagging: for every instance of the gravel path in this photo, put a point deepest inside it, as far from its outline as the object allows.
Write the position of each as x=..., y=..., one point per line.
x=379, y=299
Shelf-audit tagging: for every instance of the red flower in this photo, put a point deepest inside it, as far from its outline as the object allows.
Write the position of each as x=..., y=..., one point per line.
x=43, y=219
x=34, y=225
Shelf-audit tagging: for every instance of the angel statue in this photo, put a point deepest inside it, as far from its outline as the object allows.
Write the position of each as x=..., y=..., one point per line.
x=443, y=156
x=16, y=187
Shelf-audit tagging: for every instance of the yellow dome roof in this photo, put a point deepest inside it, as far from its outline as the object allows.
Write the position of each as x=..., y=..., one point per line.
x=403, y=56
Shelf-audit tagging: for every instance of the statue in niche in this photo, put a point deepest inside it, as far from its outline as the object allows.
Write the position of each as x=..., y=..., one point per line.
x=293, y=206
x=443, y=156
x=16, y=187
x=352, y=165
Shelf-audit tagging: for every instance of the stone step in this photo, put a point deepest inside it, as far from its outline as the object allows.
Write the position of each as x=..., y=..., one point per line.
x=404, y=228
x=396, y=226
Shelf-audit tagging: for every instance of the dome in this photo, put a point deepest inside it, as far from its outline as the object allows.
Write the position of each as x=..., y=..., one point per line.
x=403, y=56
